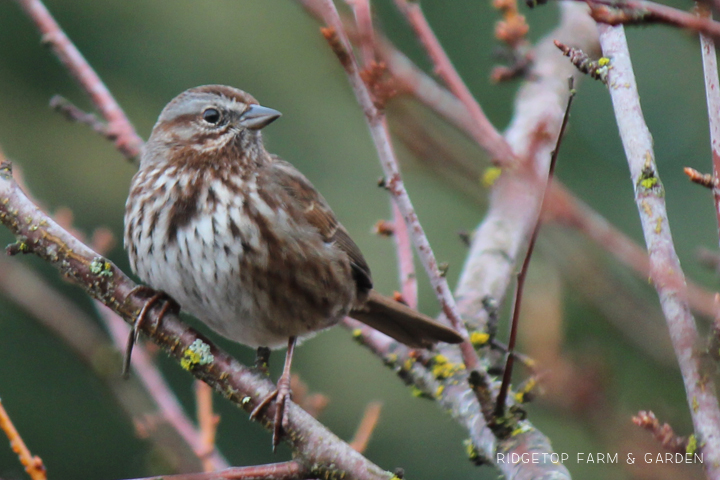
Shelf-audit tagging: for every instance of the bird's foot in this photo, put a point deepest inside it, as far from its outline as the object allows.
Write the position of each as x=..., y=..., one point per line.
x=281, y=395
x=154, y=296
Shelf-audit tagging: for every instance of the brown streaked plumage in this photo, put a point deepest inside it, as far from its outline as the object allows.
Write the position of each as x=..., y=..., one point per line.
x=243, y=241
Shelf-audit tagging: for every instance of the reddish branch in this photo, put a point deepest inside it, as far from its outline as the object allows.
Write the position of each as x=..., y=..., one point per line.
x=208, y=422
x=515, y=319
x=32, y=463
x=487, y=136
x=712, y=93
x=639, y=12
x=148, y=374
x=367, y=426
x=340, y=44
x=316, y=448
x=273, y=471
x=119, y=128
x=665, y=271
x=663, y=433
x=406, y=261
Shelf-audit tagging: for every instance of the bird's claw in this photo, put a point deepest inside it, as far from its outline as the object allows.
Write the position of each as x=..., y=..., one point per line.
x=281, y=395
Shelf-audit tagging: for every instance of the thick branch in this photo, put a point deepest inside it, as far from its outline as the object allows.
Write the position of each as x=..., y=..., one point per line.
x=317, y=448
x=665, y=271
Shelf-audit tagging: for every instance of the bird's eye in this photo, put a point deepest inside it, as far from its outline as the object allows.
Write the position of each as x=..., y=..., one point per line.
x=211, y=116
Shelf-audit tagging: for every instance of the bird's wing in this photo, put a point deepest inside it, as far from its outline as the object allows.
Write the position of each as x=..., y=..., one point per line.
x=318, y=213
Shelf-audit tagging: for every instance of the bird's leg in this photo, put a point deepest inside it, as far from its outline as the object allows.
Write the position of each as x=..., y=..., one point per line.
x=281, y=394
x=262, y=359
x=154, y=298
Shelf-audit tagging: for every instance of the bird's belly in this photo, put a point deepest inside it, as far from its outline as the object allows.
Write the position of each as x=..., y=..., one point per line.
x=246, y=290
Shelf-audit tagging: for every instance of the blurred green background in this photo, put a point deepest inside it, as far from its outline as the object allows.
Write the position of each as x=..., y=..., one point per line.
x=148, y=52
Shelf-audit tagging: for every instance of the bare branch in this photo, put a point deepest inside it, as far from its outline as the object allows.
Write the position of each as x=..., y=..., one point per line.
x=665, y=270
x=149, y=375
x=273, y=471
x=208, y=422
x=712, y=93
x=32, y=463
x=394, y=183
x=367, y=426
x=489, y=138
x=119, y=128
x=406, y=261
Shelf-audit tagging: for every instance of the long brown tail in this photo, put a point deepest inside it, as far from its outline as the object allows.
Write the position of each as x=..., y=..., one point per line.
x=403, y=323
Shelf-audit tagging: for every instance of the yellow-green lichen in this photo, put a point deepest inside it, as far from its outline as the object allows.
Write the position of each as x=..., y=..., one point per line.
x=691, y=445
x=196, y=354
x=490, y=176
x=478, y=339
x=649, y=182
x=603, y=61
x=443, y=368
x=357, y=333
x=522, y=395
x=522, y=428
x=100, y=266
x=471, y=451
x=439, y=391
x=408, y=364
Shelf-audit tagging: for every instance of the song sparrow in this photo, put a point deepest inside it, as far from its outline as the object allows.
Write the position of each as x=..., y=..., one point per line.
x=243, y=241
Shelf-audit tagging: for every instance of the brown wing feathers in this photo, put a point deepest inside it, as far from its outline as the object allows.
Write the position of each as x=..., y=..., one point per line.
x=382, y=313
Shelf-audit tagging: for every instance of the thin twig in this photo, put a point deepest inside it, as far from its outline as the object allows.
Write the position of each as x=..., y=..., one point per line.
x=363, y=20
x=32, y=463
x=208, y=422
x=275, y=471
x=367, y=426
x=75, y=114
x=489, y=138
x=517, y=303
x=406, y=262
x=712, y=93
x=642, y=12
x=663, y=433
x=338, y=39
x=127, y=141
x=665, y=270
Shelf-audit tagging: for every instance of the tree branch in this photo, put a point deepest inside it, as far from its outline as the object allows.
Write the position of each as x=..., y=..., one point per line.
x=487, y=136
x=665, y=270
x=119, y=128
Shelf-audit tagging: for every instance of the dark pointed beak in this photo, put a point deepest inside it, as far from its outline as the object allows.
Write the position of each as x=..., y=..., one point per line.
x=257, y=117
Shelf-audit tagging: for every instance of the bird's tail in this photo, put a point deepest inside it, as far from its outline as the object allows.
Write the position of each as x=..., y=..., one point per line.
x=403, y=323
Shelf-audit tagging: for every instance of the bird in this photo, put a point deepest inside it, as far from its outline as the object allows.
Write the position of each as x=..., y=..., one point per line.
x=242, y=240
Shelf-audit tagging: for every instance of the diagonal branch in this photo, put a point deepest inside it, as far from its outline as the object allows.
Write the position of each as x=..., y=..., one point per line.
x=317, y=449
x=488, y=137
x=665, y=271
x=127, y=141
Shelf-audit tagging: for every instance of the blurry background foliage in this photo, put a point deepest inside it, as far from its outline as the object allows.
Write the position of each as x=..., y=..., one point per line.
x=147, y=52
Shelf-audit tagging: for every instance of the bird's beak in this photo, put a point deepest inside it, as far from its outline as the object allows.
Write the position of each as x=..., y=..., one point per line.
x=257, y=117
